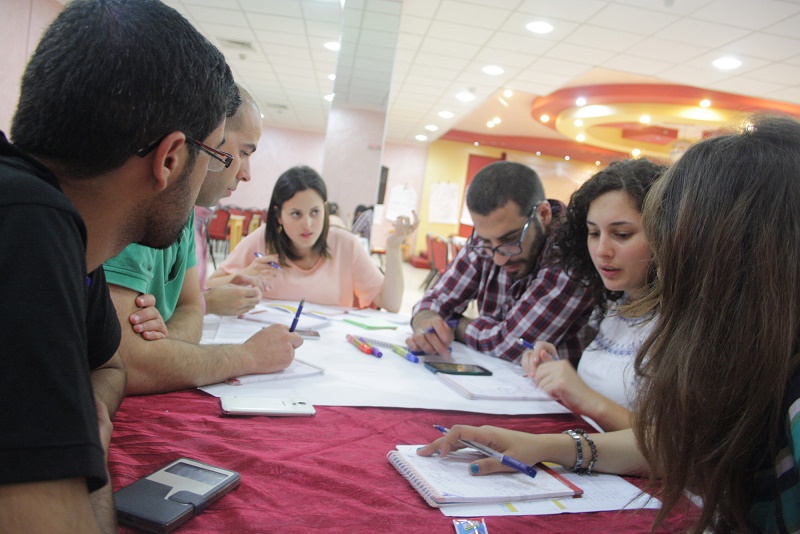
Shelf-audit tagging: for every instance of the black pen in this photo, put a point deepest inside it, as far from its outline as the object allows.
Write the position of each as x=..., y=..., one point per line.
x=297, y=315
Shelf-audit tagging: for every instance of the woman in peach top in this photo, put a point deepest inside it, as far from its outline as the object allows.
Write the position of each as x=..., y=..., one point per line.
x=323, y=264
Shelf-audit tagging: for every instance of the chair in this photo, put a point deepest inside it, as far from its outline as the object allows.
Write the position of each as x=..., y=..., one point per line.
x=437, y=251
x=217, y=232
x=456, y=243
x=255, y=222
x=248, y=216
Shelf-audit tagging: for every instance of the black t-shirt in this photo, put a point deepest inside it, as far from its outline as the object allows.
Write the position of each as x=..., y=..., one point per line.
x=56, y=323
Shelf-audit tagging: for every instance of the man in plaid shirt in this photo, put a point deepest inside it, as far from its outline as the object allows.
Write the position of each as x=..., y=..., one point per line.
x=505, y=268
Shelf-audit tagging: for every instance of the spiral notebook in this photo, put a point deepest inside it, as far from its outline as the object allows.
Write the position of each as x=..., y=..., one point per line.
x=443, y=481
x=507, y=387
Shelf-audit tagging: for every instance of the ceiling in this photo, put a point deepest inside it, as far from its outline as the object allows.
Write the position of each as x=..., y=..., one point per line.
x=631, y=56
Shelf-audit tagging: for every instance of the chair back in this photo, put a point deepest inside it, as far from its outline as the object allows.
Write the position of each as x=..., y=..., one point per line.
x=218, y=225
x=438, y=251
x=248, y=216
x=255, y=221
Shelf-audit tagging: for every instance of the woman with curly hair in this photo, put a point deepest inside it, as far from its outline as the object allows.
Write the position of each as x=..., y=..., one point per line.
x=718, y=409
x=602, y=243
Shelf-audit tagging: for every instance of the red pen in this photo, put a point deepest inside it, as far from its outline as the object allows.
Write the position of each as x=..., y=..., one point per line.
x=361, y=346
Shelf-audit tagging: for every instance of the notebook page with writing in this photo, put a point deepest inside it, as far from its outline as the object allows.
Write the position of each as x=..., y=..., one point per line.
x=495, y=387
x=443, y=481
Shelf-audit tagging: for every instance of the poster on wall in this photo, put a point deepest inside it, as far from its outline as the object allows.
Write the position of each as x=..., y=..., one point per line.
x=466, y=217
x=444, y=203
x=402, y=201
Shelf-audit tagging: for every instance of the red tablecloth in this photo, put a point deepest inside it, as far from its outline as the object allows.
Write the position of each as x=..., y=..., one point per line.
x=324, y=473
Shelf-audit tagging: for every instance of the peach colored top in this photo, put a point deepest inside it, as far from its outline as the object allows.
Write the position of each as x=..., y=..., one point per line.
x=349, y=278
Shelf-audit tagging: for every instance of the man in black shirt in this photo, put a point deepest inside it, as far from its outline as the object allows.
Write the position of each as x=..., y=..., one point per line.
x=121, y=109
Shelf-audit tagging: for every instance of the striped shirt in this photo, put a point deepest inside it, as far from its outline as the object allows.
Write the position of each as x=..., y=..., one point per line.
x=777, y=484
x=545, y=305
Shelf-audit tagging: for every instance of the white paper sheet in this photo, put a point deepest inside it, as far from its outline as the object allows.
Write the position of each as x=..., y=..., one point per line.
x=353, y=378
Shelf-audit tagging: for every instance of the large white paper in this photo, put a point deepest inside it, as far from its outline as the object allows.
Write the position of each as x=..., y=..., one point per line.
x=353, y=378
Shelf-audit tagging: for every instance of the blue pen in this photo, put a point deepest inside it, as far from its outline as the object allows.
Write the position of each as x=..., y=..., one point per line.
x=452, y=323
x=272, y=263
x=525, y=344
x=297, y=316
x=502, y=458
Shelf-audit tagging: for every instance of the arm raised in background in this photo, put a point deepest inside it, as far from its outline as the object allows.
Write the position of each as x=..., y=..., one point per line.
x=391, y=296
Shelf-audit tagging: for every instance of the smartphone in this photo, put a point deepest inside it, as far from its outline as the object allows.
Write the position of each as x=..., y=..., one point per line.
x=232, y=405
x=169, y=497
x=307, y=334
x=457, y=368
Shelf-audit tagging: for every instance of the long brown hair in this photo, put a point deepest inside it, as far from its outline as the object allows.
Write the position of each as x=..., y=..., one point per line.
x=724, y=225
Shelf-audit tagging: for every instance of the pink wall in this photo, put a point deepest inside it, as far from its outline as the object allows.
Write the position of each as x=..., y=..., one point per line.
x=21, y=26
x=280, y=149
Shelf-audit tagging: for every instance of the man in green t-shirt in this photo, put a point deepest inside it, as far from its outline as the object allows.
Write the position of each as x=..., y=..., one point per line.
x=165, y=355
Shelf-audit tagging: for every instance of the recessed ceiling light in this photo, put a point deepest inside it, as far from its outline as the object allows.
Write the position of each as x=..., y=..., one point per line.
x=705, y=103
x=431, y=127
x=508, y=93
x=597, y=163
x=578, y=123
x=636, y=152
x=332, y=45
x=445, y=114
x=502, y=101
x=545, y=118
x=539, y=26
x=490, y=124
x=580, y=138
x=566, y=158
x=644, y=119
x=466, y=96
x=580, y=101
x=329, y=97
x=421, y=137
x=727, y=63
x=476, y=143
x=538, y=153
x=497, y=120
x=493, y=70
x=331, y=77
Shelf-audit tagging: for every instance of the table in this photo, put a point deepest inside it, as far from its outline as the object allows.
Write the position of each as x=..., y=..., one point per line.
x=325, y=473
x=329, y=473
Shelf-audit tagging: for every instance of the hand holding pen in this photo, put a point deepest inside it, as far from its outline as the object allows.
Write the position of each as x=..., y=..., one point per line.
x=537, y=354
x=432, y=334
x=491, y=453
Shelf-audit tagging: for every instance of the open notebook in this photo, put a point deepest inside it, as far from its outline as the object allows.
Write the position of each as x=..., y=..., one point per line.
x=443, y=481
x=297, y=369
x=504, y=387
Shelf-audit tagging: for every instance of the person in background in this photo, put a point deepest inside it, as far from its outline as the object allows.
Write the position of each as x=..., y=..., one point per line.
x=362, y=221
x=164, y=354
x=601, y=242
x=301, y=256
x=105, y=153
x=333, y=216
x=719, y=394
x=505, y=268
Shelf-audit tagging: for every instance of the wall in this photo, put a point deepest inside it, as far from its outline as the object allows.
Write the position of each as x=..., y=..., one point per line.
x=21, y=25
x=448, y=160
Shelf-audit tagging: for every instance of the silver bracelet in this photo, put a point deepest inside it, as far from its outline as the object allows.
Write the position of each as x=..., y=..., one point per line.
x=588, y=470
x=578, y=451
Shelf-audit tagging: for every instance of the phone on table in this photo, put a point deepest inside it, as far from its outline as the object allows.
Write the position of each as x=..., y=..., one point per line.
x=167, y=498
x=457, y=368
x=307, y=334
x=233, y=405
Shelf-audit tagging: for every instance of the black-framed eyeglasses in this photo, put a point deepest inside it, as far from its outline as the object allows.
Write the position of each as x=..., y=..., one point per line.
x=219, y=159
x=505, y=249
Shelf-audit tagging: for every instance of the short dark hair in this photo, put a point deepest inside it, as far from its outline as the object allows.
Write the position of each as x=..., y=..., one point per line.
x=501, y=181
x=634, y=177
x=290, y=183
x=110, y=77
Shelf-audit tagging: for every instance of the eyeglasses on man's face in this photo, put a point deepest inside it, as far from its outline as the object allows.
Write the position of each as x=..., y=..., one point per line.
x=219, y=159
x=479, y=246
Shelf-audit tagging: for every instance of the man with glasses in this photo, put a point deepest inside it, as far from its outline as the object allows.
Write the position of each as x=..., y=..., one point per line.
x=504, y=268
x=107, y=78
x=150, y=287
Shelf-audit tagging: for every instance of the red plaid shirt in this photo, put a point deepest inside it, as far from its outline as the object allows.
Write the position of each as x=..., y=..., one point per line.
x=545, y=305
